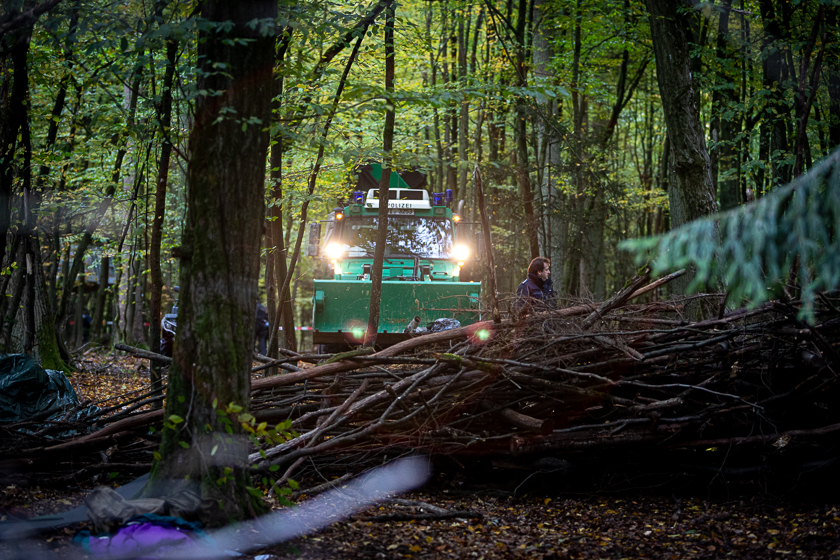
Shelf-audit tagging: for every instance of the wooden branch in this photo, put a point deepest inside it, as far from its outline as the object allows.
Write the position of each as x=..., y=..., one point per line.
x=617, y=300
x=522, y=420
x=145, y=354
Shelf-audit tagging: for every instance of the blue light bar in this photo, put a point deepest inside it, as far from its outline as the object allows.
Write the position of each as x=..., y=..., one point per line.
x=437, y=199
x=449, y=196
x=358, y=197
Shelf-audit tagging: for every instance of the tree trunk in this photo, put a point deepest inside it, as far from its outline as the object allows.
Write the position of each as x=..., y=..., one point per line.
x=209, y=380
x=99, y=312
x=833, y=78
x=691, y=194
x=277, y=252
x=155, y=273
x=522, y=162
x=387, y=147
x=777, y=111
x=553, y=243
x=464, y=110
x=724, y=157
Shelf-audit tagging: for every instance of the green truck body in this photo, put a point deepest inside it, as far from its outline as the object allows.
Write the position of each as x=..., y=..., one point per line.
x=421, y=273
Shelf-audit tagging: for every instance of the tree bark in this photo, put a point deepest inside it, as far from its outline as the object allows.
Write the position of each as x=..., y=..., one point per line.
x=522, y=161
x=155, y=273
x=691, y=194
x=209, y=380
x=833, y=77
x=274, y=233
x=724, y=157
x=387, y=147
x=777, y=110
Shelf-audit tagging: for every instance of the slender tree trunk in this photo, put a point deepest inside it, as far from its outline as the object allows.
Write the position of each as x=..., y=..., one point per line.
x=464, y=110
x=387, y=147
x=99, y=313
x=833, y=78
x=155, y=273
x=777, y=112
x=99, y=213
x=807, y=91
x=313, y=176
x=522, y=161
x=572, y=272
x=277, y=254
x=725, y=155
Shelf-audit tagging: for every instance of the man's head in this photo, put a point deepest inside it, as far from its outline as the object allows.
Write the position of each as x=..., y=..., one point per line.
x=540, y=266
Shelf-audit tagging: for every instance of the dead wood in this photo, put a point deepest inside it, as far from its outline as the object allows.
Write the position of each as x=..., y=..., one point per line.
x=586, y=378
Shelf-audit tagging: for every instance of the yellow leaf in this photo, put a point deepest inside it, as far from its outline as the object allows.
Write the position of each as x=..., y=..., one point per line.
x=414, y=548
x=547, y=501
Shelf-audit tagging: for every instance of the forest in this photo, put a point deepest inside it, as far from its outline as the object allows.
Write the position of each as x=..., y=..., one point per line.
x=557, y=104
x=675, y=161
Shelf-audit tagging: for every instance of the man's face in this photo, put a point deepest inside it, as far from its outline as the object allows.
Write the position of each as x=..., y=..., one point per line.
x=544, y=273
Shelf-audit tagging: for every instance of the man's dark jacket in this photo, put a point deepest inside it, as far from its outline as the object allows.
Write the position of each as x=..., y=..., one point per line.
x=534, y=288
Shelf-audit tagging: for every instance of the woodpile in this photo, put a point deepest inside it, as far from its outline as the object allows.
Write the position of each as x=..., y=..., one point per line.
x=557, y=382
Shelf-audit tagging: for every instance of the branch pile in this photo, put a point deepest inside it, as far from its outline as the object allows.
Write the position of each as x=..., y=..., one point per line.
x=556, y=382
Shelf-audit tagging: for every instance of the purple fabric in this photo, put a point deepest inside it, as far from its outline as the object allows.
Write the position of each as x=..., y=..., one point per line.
x=152, y=541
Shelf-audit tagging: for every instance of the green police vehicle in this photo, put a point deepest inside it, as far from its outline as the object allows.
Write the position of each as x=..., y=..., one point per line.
x=427, y=247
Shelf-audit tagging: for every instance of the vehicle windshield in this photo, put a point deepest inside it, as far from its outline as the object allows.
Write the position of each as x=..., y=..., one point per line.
x=407, y=235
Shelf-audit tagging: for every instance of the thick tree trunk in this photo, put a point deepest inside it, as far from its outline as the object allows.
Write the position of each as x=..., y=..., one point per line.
x=209, y=380
x=691, y=194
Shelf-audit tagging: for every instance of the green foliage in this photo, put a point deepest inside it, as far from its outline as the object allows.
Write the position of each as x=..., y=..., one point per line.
x=794, y=226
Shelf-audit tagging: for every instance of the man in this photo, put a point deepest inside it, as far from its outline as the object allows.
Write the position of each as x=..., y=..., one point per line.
x=261, y=328
x=537, y=287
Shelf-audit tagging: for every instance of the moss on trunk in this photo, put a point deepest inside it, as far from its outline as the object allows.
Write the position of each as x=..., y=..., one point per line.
x=209, y=379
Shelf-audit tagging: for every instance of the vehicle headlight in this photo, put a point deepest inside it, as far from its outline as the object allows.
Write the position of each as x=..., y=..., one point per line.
x=460, y=252
x=334, y=250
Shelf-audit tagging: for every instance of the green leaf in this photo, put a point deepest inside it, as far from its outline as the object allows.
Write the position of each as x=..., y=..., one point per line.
x=175, y=419
x=184, y=444
x=293, y=484
x=274, y=468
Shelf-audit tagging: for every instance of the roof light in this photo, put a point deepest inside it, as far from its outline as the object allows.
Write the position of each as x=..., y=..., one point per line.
x=339, y=216
x=456, y=218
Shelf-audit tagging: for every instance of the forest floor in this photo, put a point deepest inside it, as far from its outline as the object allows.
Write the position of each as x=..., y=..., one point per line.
x=516, y=514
